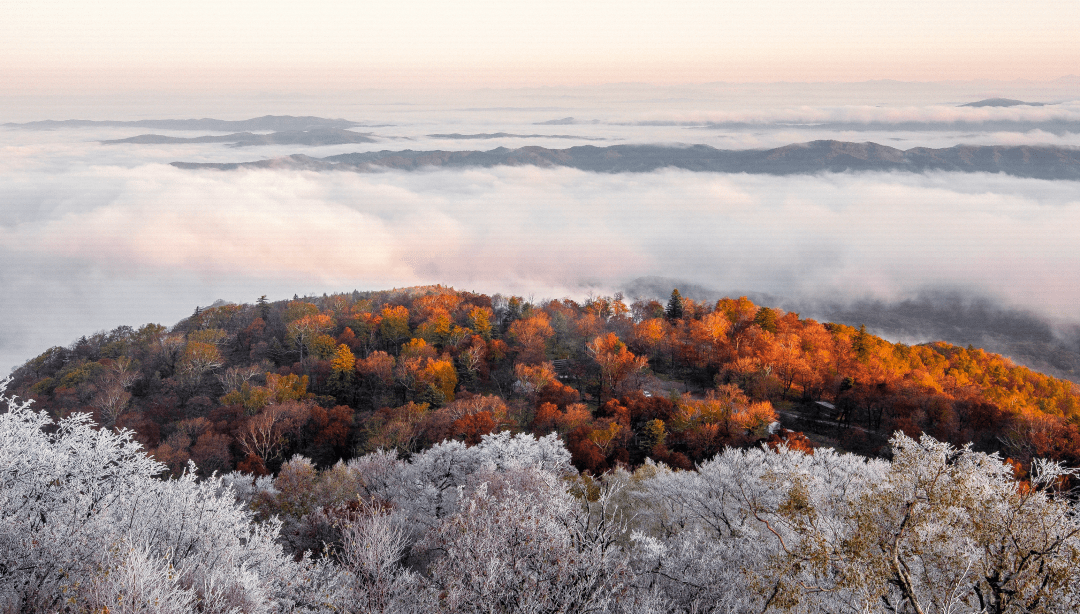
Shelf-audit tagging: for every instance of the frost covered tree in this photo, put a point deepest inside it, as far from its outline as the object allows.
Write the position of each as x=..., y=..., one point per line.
x=701, y=534
x=521, y=543
x=949, y=530
x=373, y=546
x=938, y=529
x=506, y=526
x=83, y=518
x=424, y=490
x=429, y=484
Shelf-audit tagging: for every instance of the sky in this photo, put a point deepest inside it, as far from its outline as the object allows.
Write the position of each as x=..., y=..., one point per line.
x=94, y=236
x=71, y=46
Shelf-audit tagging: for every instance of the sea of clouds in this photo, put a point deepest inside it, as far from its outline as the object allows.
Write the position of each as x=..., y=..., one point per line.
x=93, y=236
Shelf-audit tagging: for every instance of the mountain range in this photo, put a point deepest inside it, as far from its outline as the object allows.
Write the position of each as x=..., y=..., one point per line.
x=1042, y=162
x=501, y=135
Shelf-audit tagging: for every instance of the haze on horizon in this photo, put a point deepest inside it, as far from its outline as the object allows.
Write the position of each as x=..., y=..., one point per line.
x=69, y=47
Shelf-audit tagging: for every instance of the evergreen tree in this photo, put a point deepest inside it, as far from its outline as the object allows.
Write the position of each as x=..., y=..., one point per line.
x=674, y=309
x=276, y=351
x=264, y=308
x=860, y=344
x=766, y=319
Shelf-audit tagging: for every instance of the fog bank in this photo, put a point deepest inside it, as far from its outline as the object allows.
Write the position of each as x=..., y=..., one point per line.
x=110, y=245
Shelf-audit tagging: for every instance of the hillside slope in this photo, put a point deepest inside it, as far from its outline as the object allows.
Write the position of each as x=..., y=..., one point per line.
x=334, y=376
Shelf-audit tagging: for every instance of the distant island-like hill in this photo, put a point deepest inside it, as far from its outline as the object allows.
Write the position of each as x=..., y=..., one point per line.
x=1042, y=162
x=266, y=122
x=315, y=136
x=1002, y=102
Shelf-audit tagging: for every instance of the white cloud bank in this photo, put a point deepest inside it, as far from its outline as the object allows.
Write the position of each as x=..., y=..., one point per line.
x=101, y=246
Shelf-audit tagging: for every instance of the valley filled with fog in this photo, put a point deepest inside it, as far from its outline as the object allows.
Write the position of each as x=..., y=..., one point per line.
x=94, y=235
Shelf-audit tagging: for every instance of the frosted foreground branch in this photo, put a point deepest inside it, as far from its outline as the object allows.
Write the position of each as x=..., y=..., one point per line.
x=505, y=526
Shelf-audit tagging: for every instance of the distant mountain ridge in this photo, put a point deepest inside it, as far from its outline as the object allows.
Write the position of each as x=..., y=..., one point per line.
x=315, y=136
x=1042, y=162
x=266, y=122
x=565, y=121
x=1003, y=102
x=500, y=135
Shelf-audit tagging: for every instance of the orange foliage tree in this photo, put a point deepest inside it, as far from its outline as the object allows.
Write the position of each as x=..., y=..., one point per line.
x=616, y=362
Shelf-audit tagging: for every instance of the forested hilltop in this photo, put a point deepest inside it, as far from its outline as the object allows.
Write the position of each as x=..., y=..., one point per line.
x=331, y=377
x=429, y=450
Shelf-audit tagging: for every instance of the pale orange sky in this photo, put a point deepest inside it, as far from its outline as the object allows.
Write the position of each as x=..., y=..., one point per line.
x=77, y=46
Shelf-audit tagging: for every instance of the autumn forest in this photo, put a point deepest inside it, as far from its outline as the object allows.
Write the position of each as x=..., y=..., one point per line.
x=249, y=386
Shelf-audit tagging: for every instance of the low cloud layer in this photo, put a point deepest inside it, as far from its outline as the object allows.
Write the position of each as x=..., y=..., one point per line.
x=1066, y=111
x=94, y=236
x=108, y=245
